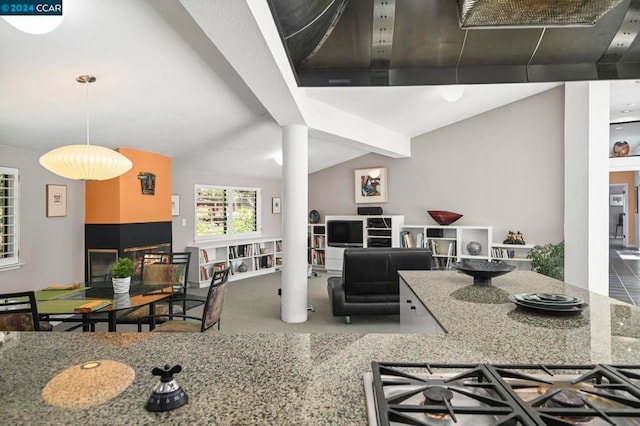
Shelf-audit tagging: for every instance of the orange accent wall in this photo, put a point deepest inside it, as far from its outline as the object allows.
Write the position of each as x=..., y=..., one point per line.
x=120, y=200
x=629, y=179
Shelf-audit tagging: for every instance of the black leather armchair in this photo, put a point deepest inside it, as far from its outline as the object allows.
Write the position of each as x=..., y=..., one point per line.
x=369, y=283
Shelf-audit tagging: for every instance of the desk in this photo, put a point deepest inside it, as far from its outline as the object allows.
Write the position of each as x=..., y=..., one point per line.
x=64, y=302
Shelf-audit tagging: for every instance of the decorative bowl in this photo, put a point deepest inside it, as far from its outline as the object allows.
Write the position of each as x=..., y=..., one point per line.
x=443, y=217
x=482, y=270
x=314, y=216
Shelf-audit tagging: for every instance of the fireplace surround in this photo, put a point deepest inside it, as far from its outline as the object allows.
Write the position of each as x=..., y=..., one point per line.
x=104, y=243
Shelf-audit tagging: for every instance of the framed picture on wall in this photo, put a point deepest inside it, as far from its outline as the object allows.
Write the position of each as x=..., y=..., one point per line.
x=56, y=200
x=175, y=205
x=616, y=199
x=275, y=205
x=371, y=185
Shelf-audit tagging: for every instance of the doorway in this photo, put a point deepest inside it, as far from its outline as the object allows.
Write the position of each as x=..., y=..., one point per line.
x=618, y=223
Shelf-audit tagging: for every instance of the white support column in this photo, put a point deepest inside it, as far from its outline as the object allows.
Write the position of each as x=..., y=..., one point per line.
x=295, y=177
x=586, y=185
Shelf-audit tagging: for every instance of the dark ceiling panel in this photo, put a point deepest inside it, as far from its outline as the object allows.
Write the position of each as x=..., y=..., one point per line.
x=428, y=40
x=349, y=45
x=581, y=44
x=499, y=47
x=426, y=34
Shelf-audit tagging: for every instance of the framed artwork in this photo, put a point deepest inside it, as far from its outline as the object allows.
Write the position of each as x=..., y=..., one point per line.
x=616, y=199
x=56, y=200
x=147, y=182
x=275, y=205
x=175, y=205
x=371, y=185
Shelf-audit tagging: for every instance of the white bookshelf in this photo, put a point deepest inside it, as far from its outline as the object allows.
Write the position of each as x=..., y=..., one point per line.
x=317, y=243
x=515, y=254
x=247, y=258
x=448, y=243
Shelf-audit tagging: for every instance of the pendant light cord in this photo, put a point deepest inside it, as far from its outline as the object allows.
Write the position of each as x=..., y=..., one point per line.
x=87, y=101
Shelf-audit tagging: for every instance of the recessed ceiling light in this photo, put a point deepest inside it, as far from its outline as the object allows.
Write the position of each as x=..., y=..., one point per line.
x=626, y=111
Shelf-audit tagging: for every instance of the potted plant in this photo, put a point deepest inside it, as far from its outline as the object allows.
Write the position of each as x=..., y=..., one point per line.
x=548, y=260
x=121, y=273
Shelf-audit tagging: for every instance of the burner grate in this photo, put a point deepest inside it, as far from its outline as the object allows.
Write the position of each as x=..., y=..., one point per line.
x=515, y=395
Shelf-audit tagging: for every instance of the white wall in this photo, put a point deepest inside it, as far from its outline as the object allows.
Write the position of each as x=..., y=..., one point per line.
x=503, y=168
x=52, y=249
x=184, y=182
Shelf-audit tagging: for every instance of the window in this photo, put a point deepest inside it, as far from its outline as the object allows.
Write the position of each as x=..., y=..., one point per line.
x=223, y=211
x=8, y=217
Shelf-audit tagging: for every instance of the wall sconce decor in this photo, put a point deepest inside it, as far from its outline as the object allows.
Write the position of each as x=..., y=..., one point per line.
x=148, y=182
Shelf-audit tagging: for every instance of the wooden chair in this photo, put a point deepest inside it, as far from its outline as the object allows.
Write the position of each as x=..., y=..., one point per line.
x=171, y=268
x=19, y=312
x=210, y=314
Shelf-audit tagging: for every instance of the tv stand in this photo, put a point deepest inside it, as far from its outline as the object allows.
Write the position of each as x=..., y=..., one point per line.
x=377, y=231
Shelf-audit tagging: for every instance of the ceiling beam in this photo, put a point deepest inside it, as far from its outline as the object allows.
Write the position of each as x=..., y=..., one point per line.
x=246, y=34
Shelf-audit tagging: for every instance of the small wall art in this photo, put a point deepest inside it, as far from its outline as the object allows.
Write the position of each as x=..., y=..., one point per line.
x=148, y=182
x=371, y=185
x=175, y=205
x=275, y=205
x=616, y=200
x=56, y=200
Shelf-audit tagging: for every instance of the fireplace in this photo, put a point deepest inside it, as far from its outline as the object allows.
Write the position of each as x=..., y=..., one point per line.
x=104, y=243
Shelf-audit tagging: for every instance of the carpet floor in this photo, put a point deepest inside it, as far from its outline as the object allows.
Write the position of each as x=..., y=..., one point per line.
x=253, y=305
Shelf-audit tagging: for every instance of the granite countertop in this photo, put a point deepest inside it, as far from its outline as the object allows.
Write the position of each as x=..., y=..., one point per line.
x=312, y=379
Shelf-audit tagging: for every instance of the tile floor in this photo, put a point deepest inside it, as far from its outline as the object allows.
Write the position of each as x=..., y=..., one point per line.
x=624, y=274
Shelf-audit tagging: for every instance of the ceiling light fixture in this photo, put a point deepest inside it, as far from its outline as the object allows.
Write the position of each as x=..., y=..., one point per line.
x=452, y=93
x=39, y=24
x=626, y=111
x=86, y=162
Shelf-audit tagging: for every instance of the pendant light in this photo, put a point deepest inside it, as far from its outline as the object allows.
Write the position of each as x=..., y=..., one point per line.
x=86, y=162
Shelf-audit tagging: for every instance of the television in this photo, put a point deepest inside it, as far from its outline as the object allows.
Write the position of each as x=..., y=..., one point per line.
x=344, y=233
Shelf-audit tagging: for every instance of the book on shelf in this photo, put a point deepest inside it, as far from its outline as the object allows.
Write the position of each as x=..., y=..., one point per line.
x=318, y=241
x=434, y=246
x=451, y=252
x=420, y=240
x=204, y=273
x=502, y=253
x=317, y=258
x=406, y=239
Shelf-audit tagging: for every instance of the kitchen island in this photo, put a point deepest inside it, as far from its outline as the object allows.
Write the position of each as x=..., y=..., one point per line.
x=314, y=379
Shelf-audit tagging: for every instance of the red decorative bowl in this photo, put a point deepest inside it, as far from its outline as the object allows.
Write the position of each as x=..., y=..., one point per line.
x=443, y=217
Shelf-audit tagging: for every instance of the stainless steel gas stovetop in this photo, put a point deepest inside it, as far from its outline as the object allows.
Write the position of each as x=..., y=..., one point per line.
x=502, y=395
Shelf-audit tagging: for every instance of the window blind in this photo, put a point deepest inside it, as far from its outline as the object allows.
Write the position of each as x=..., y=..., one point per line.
x=8, y=216
x=227, y=211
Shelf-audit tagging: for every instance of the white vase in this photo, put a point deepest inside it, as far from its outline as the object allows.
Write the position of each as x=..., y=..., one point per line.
x=121, y=285
x=121, y=300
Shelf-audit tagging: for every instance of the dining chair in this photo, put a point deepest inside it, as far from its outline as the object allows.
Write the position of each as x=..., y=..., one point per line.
x=211, y=312
x=19, y=312
x=163, y=268
x=168, y=268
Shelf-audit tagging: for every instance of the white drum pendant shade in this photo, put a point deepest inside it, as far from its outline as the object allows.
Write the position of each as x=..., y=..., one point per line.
x=86, y=162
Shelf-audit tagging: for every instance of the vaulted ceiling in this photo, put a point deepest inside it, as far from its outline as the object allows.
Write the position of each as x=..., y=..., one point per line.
x=167, y=83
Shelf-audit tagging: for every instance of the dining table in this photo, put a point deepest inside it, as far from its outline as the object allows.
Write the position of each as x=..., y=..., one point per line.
x=96, y=301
